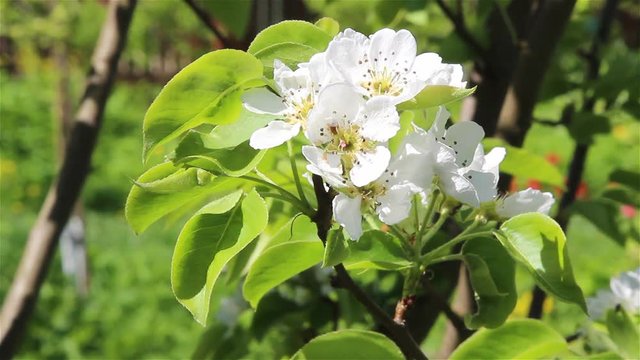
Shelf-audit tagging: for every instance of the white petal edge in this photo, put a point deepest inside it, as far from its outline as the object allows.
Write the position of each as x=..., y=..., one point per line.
x=347, y=213
x=263, y=101
x=274, y=134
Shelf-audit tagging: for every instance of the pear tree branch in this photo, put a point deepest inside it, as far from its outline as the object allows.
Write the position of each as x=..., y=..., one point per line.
x=396, y=332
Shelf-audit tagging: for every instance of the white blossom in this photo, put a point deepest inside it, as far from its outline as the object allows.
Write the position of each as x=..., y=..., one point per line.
x=388, y=196
x=297, y=94
x=529, y=200
x=343, y=123
x=455, y=155
x=624, y=291
x=386, y=64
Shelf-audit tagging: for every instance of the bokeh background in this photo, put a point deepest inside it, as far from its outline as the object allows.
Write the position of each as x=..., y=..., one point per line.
x=126, y=308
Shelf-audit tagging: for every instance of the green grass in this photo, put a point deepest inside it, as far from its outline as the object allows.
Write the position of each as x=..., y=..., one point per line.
x=130, y=311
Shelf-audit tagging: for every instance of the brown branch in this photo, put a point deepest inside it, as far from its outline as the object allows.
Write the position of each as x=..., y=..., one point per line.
x=23, y=294
x=576, y=168
x=212, y=24
x=396, y=332
x=463, y=32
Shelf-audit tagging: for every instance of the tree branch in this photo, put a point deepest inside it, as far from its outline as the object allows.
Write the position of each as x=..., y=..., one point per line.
x=576, y=168
x=396, y=332
x=463, y=32
x=62, y=196
x=212, y=24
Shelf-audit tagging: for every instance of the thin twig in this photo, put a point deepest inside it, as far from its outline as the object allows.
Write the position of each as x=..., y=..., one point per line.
x=462, y=30
x=211, y=24
x=398, y=333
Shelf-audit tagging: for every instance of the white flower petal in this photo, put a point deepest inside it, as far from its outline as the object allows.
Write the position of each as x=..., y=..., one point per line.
x=347, y=52
x=369, y=166
x=327, y=165
x=393, y=50
x=347, y=213
x=484, y=184
x=459, y=188
x=263, y=101
x=274, y=134
x=438, y=128
x=395, y=204
x=463, y=137
x=529, y=200
x=447, y=74
x=379, y=119
x=426, y=66
x=598, y=305
x=337, y=104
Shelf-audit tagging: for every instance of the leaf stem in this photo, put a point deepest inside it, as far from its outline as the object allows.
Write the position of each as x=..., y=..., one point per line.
x=434, y=196
x=296, y=176
x=282, y=197
x=286, y=195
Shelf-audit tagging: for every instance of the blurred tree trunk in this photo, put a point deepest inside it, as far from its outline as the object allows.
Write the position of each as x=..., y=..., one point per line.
x=72, y=240
x=63, y=195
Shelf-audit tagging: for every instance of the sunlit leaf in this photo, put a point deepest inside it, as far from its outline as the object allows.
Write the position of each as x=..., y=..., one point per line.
x=435, y=95
x=212, y=237
x=336, y=250
x=290, y=31
x=376, y=250
x=537, y=242
x=277, y=264
x=329, y=25
x=165, y=188
x=206, y=91
x=517, y=339
x=349, y=344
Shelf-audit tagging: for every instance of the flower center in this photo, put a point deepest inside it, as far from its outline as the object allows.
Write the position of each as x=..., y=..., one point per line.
x=347, y=140
x=300, y=111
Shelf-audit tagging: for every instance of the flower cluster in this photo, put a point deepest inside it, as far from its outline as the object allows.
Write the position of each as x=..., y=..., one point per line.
x=345, y=101
x=625, y=291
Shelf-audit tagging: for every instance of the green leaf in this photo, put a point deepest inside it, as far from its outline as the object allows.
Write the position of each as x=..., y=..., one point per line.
x=623, y=332
x=537, y=242
x=435, y=95
x=206, y=91
x=336, y=250
x=329, y=25
x=376, y=250
x=586, y=125
x=290, y=31
x=277, y=264
x=212, y=237
x=517, y=339
x=492, y=272
x=235, y=161
x=165, y=188
x=234, y=134
x=526, y=165
x=291, y=54
x=603, y=215
x=349, y=344
x=622, y=195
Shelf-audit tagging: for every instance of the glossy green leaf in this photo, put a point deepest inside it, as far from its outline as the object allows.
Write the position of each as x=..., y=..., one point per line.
x=604, y=356
x=586, y=125
x=376, y=250
x=435, y=95
x=623, y=332
x=537, y=242
x=206, y=91
x=291, y=54
x=234, y=134
x=212, y=237
x=290, y=31
x=349, y=344
x=336, y=250
x=299, y=228
x=277, y=264
x=329, y=25
x=517, y=339
x=523, y=164
x=235, y=161
x=165, y=188
x=492, y=272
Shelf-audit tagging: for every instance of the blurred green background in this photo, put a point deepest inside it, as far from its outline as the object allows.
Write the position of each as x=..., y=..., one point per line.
x=130, y=311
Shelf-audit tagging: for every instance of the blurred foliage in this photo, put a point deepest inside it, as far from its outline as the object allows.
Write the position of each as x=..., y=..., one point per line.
x=131, y=312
